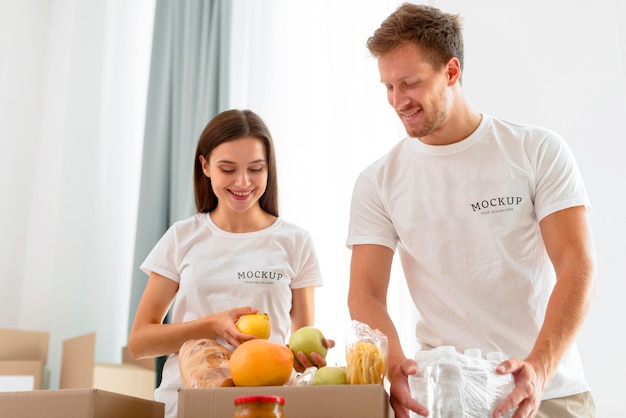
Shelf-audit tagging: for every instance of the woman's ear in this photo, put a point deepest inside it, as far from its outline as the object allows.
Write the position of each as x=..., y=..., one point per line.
x=205, y=166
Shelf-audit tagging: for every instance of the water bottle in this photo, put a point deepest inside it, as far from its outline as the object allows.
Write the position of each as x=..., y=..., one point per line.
x=443, y=399
x=452, y=385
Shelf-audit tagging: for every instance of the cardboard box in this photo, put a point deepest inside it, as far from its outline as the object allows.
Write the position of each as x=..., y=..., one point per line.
x=337, y=401
x=76, y=403
x=23, y=358
x=79, y=370
x=20, y=375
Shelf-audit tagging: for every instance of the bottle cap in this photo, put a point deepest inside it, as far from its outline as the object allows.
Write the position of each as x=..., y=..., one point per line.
x=260, y=398
x=495, y=356
x=473, y=352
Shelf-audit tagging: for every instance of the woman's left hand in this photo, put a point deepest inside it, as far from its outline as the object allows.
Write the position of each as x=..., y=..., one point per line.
x=303, y=362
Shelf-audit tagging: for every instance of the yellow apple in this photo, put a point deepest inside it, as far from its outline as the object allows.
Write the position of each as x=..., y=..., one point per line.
x=257, y=324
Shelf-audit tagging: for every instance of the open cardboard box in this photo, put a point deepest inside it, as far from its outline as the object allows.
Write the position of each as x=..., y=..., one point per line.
x=77, y=403
x=79, y=370
x=334, y=401
x=23, y=358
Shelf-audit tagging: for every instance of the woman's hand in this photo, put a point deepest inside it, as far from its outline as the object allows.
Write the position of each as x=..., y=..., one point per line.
x=224, y=324
x=303, y=362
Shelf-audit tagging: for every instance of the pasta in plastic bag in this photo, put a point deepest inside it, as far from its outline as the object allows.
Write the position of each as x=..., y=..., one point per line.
x=366, y=355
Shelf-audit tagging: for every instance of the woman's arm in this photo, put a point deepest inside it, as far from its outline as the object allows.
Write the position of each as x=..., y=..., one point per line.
x=149, y=337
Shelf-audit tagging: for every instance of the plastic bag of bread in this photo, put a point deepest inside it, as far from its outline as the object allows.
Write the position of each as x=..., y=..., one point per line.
x=203, y=363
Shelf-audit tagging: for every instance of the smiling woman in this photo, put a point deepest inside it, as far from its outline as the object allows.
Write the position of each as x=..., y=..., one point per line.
x=196, y=266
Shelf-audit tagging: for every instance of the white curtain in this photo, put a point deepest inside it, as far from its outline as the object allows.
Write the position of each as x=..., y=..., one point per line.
x=303, y=66
x=73, y=77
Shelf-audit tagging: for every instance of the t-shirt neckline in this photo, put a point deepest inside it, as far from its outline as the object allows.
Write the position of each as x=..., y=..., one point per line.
x=452, y=148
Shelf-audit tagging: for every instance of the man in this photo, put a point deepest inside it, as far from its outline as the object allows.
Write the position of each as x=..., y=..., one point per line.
x=489, y=219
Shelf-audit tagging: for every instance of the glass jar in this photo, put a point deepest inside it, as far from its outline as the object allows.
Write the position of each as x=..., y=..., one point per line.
x=258, y=406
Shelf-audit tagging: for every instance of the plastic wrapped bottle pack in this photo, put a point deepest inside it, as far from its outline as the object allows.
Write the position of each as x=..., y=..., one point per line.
x=453, y=385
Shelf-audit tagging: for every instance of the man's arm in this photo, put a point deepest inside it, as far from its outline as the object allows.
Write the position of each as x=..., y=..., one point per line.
x=370, y=270
x=568, y=241
x=367, y=301
x=567, y=238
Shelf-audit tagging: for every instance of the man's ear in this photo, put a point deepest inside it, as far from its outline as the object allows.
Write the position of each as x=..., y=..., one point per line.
x=453, y=69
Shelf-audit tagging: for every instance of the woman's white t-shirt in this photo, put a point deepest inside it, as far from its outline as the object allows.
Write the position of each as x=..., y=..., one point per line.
x=465, y=221
x=218, y=270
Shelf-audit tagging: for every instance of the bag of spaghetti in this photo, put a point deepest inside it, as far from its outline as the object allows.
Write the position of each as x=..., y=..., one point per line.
x=366, y=355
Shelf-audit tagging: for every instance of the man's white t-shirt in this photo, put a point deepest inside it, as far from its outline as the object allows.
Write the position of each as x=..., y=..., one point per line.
x=464, y=219
x=218, y=270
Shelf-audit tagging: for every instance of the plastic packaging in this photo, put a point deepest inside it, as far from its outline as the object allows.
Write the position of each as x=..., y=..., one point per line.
x=204, y=363
x=366, y=355
x=451, y=384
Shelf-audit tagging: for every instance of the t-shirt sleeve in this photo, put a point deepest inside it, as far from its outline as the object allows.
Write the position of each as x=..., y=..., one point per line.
x=162, y=259
x=369, y=219
x=559, y=184
x=308, y=272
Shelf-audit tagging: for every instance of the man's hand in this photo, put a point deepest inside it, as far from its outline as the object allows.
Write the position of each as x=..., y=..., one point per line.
x=400, y=392
x=529, y=387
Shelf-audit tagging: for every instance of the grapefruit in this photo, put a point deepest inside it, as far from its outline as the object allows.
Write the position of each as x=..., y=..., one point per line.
x=261, y=363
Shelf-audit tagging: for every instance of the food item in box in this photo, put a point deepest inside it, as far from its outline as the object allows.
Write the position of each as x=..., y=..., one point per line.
x=204, y=363
x=366, y=354
x=366, y=363
x=257, y=324
x=259, y=406
x=261, y=363
x=330, y=375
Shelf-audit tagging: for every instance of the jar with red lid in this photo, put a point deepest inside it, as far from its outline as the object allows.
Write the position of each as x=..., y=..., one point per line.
x=259, y=406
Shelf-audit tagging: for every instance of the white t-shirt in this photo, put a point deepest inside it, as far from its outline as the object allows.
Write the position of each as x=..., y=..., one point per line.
x=464, y=218
x=218, y=270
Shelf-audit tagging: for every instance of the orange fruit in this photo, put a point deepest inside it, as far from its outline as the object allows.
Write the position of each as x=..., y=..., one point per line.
x=261, y=363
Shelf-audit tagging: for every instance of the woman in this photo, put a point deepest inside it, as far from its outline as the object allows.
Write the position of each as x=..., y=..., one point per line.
x=235, y=257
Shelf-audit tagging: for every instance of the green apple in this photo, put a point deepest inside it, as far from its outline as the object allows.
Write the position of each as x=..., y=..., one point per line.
x=308, y=340
x=330, y=375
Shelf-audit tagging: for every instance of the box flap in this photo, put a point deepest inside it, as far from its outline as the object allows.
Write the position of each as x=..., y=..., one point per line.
x=24, y=345
x=23, y=368
x=77, y=403
x=77, y=362
x=126, y=379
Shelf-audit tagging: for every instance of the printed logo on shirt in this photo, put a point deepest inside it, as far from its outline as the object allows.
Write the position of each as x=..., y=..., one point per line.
x=496, y=204
x=259, y=277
